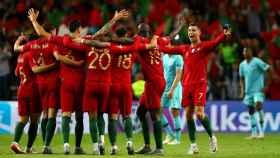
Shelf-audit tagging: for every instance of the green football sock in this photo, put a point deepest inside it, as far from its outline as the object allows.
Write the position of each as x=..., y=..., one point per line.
x=32, y=133
x=79, y=130
x=44, y=127
x=112, y=131
x=18, y=131
x=145, y=131
x=66, y=128
x=158, y=134
x=93, y=130
x=207, y=126
x=101, y=124
x=50, y=130
x=191, y=128
x=128, y=128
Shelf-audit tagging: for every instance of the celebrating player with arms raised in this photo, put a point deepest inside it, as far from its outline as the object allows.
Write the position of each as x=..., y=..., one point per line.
x=195, y=81
x=72, y=87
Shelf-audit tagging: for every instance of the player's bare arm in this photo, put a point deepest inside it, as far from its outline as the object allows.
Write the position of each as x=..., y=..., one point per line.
x=93, y=43
x=43, y=68
x=107, y=27
x=241, y=82
x=177, y=79
x=180, y=25
x=67, y=60
x=33, y=15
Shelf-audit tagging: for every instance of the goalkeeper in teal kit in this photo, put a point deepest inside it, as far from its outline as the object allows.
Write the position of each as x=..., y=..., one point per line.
x=172, y=96
x=252, y=72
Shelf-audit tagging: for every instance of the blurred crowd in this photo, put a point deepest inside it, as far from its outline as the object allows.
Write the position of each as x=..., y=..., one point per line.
x=255, y=23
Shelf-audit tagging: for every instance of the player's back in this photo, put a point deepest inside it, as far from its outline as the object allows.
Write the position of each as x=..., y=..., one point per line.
x=121, y=67
x=150, y=61
x=99, y=62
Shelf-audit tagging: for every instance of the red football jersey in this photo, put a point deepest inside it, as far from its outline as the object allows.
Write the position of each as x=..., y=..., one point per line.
x=195, y=59
x=150, y=60
x=23, y=70
x=122, y=61
x=63, y=48
x=41, y=54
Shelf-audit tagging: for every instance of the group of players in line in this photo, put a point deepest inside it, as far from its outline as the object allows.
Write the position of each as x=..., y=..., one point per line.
x=92, y=74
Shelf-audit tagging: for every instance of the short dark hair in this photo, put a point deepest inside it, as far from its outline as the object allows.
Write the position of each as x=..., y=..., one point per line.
x=74, y=25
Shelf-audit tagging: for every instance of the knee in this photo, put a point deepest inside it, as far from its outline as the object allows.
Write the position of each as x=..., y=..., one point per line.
x=200, y=115
x=141, y=114
x=155, y=115
x=175, y=112
x=258, y=106
x=92, y=115
x=251, y=110
x=23, y=120
x=113, y=116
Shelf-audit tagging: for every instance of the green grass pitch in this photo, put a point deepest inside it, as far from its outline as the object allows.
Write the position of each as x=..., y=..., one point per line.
x=230, y=145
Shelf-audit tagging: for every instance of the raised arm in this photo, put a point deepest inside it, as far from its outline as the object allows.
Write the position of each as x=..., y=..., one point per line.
x=209, y=45
x=32, y=15
x=178, y=28
x=107, y=27
x=93, y=43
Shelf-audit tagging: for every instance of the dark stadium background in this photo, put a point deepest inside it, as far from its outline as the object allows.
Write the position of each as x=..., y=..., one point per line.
x=255, y=23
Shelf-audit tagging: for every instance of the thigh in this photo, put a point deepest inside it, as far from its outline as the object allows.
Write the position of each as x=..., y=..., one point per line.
x=176, y=100
x=114, y=100
x=258, y=98
x=249, y=100
x=165, y=101
x=104, y=89
x=90, y=100
x=79, y=93
x=126, y=100
x=22, y=106
x=187, y=99
x=67, y=96
x=199, y=95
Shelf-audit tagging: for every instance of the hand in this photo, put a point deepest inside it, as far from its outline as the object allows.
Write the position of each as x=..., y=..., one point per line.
x=154, y=41
x=119, y=15
x=170, y=94
x=181, y=20
x=56, y=55
x=33, y=14
x=80, y=62
x=78, y=40
x=22, y=38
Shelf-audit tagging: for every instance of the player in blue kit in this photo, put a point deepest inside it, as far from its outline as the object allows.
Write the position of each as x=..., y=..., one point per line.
x=252, y=73
x=172, y=96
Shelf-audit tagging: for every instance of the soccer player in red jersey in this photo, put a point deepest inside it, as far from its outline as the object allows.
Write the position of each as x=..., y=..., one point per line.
x=44, y=65
x=98, y=81
x=29, y=106
x=152, y=68
x=72, y=86
x=195, y=80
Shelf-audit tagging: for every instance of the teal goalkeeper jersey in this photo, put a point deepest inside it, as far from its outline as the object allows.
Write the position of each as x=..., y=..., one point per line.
x=253, y=73
x=170, y=64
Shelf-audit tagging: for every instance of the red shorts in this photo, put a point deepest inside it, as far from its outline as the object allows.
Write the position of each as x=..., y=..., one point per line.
x=120, y=99
x=28, y=99
x=152, y=94
x=95, y=96
x=49, y=93
x=71, y=96
x=194, y=94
